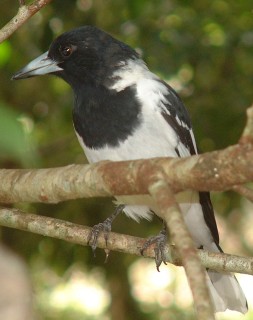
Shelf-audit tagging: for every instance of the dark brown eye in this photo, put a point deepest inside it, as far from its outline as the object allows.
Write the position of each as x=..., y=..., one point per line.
x=66, y=51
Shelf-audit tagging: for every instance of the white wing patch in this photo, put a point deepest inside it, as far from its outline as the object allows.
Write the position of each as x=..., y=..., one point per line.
x=193, y=140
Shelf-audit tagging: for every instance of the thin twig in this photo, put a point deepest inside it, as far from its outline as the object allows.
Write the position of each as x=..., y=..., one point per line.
x=24, y=13
x=78, y=234
x=21, y=2
x=244, y=191
x=247, y=135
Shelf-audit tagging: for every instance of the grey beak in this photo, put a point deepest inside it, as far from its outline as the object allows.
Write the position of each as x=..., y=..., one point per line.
x=39, y=66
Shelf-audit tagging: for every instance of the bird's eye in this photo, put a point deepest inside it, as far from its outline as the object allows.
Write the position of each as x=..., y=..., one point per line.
x=66, y=51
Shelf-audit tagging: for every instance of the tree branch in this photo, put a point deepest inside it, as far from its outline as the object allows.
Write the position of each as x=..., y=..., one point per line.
x=170, y=212
x=24, y=13
x=70, y=232
x=214, y=171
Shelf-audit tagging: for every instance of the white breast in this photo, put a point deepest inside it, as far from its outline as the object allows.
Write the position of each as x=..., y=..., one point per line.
x=153, y=138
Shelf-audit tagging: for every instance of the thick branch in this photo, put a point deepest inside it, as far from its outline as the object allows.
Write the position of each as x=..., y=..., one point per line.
x=24, y=13
x=67, y=231
x=213, y=171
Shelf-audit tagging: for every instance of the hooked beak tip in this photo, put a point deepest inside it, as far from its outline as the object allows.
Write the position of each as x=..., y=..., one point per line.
x=39, y=66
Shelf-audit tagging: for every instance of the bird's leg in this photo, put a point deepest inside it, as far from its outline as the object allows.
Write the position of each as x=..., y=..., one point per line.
x=160, y=241
x=104, y=227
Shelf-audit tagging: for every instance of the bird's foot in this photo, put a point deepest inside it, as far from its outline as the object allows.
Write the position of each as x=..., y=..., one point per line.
x=104, y=227
x=160, y=241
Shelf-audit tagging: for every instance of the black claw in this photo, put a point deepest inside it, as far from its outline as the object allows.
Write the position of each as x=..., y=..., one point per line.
x=95, y=232
x=106, y=255
x=104, y=227
x=159, y=241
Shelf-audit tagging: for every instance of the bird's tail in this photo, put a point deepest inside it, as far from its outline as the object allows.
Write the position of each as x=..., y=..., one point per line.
x=226, y=292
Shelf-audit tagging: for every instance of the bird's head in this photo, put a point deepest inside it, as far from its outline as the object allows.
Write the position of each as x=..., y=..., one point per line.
x=80, y=56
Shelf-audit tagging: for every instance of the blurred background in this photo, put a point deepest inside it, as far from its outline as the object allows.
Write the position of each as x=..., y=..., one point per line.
x=204, y=49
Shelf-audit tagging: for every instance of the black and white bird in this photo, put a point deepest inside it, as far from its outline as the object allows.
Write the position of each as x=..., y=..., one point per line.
x=123, y=111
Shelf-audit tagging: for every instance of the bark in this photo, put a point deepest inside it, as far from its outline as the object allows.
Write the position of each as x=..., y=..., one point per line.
x=213, y=171
x=78, y=234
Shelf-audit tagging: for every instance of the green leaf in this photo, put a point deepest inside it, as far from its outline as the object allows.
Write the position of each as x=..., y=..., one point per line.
x=15, y=143
x=5, y=53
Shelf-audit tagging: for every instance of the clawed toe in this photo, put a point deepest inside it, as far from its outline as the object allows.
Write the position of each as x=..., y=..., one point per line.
x=105, y=228
x=160, y=241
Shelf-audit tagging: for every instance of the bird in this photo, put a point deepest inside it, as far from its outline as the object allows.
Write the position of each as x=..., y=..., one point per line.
x=123, y=111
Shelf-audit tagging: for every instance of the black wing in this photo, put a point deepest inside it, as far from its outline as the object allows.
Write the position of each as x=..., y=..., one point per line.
x=178, y=118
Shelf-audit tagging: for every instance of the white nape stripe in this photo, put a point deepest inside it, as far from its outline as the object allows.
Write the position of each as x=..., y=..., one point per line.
x=131, y=72
x=150, y=89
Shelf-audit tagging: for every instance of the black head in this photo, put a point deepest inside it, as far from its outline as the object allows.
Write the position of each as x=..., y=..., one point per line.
x=82, y=55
